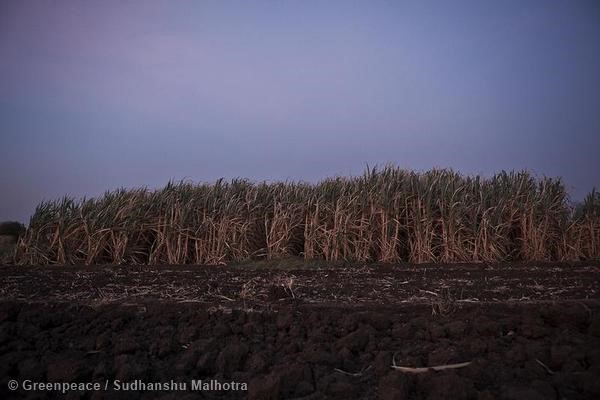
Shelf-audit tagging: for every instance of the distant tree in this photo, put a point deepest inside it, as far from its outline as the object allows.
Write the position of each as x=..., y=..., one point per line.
x=11, y=228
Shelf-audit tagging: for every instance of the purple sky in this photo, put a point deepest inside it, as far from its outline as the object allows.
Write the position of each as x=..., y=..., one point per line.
x=99, y=95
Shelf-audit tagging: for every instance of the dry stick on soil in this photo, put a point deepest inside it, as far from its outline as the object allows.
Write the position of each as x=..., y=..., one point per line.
x=548, y=370
x=248, y=291
x=589, y=311
x=223, y=297
x=428, y=369
x=354, y=374
x=288, y=283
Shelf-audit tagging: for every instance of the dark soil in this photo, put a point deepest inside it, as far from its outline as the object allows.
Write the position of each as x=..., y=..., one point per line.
x=530, y=332
x=264, y=288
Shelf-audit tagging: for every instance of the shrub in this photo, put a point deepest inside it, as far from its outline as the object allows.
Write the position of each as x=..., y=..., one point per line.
x=12, y=228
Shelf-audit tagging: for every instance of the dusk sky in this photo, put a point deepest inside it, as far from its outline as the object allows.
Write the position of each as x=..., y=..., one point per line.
x=97, y=95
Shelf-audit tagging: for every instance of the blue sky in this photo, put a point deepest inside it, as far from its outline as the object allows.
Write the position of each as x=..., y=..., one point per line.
x=99, y=95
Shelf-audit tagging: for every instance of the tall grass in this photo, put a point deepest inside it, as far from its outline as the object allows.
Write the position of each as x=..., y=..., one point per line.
x=386, y=215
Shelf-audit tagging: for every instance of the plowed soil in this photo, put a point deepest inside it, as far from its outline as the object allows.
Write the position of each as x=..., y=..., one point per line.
x=516, y=331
